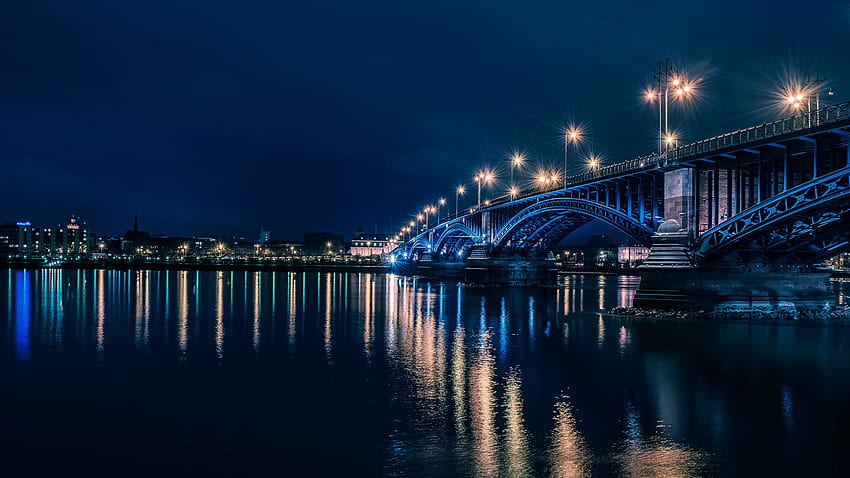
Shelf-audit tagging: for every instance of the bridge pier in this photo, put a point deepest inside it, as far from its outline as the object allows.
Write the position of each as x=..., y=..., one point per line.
x=671, y=280
x=735, y=290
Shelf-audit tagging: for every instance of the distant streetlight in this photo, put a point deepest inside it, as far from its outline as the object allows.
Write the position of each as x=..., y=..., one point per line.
x=460, y=191
x=571, y=135
x=593, y=161
x=483, y=177
x=428, y=211
x=513, y=191
x=516, y=162
x=546, y=179
x=440, y=204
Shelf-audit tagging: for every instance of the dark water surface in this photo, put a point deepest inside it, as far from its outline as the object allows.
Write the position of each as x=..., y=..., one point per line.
x=309, y=374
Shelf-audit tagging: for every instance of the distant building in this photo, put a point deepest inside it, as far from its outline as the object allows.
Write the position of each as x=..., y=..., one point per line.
x=265, y=236
x=285, y=248
x=135, y=241
x=323, y=243
x=631, y=256
x=371, y=245
x=22, y=239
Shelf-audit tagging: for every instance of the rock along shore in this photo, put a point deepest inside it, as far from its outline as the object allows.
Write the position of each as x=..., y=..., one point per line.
x=826, y=312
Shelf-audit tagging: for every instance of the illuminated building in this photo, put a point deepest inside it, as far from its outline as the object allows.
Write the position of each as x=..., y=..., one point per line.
x=371, y=245
x=22, y=239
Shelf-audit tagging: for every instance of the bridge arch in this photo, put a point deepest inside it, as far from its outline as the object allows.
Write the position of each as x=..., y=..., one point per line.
x=455, y=238
x=540, y=226
x=806, y=224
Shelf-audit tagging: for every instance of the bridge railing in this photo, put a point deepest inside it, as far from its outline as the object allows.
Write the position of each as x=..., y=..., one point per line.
x=823, y=116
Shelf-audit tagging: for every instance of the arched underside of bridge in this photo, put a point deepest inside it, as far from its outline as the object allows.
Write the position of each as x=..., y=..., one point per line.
x=804, y=225
x=455, y=241
x=535, y=230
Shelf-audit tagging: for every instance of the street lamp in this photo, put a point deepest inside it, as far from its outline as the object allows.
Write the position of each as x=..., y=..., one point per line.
x=460, y=191
x=544, y=179
x=516, y=162
x=428, y=210
x=440, y=204
x=513, y=191
x=483, y=177
x=593, y=161
x=668, y=78
x=571, y=135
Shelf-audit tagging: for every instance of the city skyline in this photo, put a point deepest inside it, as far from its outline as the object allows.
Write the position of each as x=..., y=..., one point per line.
x=227, y=125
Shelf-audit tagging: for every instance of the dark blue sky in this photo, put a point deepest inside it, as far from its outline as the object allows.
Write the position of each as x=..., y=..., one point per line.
x=217, y=117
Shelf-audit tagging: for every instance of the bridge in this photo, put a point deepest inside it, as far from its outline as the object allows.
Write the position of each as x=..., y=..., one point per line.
x=741, y=217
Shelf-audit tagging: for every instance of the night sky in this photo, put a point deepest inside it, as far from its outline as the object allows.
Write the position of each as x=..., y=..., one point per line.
x=219, y=117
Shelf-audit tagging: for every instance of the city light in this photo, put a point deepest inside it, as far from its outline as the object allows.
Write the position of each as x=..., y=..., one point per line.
x=484, y=176
x=668, y=79
x=593, y=162
x=460, y=191
x=571, y=135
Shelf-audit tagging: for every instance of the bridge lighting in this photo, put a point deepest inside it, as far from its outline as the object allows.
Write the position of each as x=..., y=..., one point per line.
x=593, y=161
x=571, y=135
x=440, y=203
x=516, y=162
x=460, y=191
x=513, y=191
x=668, y=79
x=485, y=176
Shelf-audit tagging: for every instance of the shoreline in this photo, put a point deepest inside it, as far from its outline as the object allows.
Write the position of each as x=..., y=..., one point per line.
x=840, y=312
x=197, y=266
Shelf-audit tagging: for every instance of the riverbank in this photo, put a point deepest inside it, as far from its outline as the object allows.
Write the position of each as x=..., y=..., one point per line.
x=830, y=312
x=284, y=266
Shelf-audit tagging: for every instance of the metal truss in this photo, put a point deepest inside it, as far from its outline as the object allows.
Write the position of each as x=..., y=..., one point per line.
x=802, y=223
x=537, y=225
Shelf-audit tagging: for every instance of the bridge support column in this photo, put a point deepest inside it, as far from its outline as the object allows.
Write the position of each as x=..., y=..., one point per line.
x=679, y=196
x=733, y=290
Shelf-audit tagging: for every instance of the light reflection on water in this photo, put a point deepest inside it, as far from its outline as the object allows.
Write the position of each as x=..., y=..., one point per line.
x=455, y=380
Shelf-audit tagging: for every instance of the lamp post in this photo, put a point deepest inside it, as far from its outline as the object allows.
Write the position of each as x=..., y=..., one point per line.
x=667, y=77
x=440, y=204
x=571, y=135
x=460, y=191
x=483, y=176
x=593, y=162
x=420, y=218
x=516, y=162
x=513, y=191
